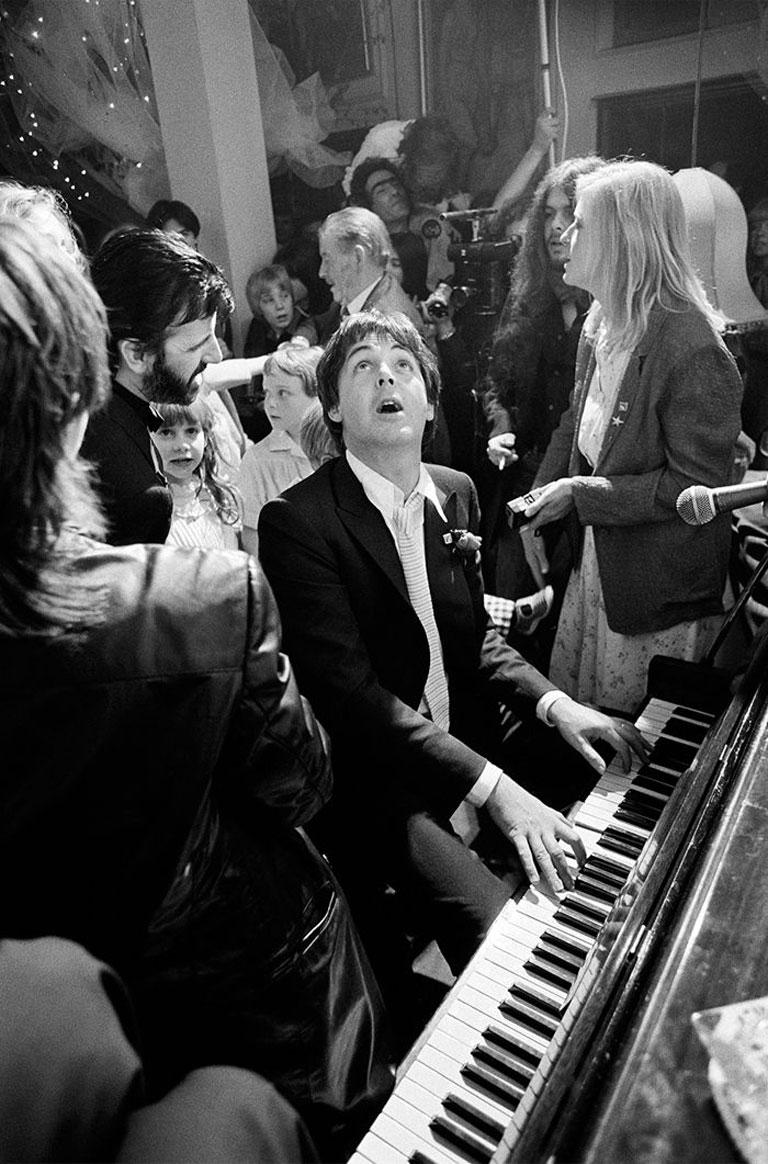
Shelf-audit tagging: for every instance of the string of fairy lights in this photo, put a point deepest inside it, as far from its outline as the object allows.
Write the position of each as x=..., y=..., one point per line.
x=71, y=172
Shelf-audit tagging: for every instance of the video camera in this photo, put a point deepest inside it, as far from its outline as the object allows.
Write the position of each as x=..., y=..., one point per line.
x=482, y=268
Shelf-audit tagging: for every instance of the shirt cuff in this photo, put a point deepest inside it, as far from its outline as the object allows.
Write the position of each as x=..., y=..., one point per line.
x=546, y=703
x=484, y=785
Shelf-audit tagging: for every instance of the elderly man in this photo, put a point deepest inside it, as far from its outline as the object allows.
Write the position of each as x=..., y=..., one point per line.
x=163, y=300
x=355, y=249
x=373, y=563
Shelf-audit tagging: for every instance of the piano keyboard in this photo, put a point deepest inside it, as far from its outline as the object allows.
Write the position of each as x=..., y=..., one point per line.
x=489, y=1049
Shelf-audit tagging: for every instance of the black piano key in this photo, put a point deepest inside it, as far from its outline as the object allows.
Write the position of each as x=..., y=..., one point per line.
x=605, y=866
x=570, y=962
x=529, y=993
x=445, y=1129
x=419, y=1157
x=529, y=1017
x=673, y=754
x=578, y=921
x=550, y=973
x=654, y=784
x=596, y=887
x=598, y=910
x=462, y=1110
x=705, y=717
x=503, y=1090
x=574, y=944
x=637, y=835
x=683, y=729
x=622, y=841
x=652, y=804
x=641, y=820
x=504, y=1038
x=657, y=772
x=518, y=1074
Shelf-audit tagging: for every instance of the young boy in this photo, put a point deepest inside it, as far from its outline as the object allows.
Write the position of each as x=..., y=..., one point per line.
x=274, y=463
x=276, y=320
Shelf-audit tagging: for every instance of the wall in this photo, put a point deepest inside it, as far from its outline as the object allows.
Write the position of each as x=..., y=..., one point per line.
x=592, y=69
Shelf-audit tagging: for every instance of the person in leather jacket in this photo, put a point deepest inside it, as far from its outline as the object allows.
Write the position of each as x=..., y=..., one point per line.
x=158, y=759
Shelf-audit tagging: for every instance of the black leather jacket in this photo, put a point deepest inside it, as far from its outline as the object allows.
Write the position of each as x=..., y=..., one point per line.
x=114, y=743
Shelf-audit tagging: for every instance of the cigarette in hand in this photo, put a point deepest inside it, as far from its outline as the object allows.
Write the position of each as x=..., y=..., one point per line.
x=502, y=462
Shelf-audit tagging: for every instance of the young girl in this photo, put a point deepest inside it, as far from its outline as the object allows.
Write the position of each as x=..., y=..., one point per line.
x=206, y=507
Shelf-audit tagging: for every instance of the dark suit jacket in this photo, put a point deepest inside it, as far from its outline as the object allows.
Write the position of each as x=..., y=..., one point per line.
x=137, y=501
x=360, y=652
x=675, y=423
x=387, y=297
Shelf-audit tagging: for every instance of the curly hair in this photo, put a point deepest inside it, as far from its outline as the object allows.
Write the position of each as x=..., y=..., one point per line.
x=225, y=497
x=53, y=372
x=530, y=295
x=48, y=213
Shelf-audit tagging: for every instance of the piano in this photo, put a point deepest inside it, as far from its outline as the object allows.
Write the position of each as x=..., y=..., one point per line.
x=568, y=1037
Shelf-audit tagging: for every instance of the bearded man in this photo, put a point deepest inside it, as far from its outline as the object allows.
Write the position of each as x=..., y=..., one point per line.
x=163, y=302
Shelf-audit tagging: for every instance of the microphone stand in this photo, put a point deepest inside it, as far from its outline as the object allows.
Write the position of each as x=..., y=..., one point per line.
x=672, y=679
x=736, y=610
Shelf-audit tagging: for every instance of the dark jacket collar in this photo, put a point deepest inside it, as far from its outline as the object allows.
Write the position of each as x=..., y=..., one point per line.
x=366, y=525
x=146, y=413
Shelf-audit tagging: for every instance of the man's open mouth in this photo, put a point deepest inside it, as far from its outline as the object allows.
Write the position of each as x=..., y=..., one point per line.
x=390, y=405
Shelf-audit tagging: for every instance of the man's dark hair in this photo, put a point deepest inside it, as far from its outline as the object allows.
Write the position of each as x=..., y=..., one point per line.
x=168, y=208
x=358, y=195
x=150, y=281
x=396, y=328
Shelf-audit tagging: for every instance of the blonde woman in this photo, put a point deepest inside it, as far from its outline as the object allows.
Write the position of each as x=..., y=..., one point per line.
x=656, y=408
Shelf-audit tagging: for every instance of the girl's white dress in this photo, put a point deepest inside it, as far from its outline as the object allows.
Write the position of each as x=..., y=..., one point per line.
x=195, y=521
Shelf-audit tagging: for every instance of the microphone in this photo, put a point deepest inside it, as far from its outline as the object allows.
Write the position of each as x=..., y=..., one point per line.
x=697, y=504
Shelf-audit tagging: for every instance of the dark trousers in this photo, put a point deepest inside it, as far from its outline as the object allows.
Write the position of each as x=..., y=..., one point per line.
x=442, y=889
x=71, y=1083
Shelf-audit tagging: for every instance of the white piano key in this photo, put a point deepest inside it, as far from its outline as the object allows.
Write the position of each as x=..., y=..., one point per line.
x=446, y=1074
x=373, y=1150
x=501, y=963
x=408, y=1128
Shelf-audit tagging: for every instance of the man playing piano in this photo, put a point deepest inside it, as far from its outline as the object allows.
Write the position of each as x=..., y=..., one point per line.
x=373, y=561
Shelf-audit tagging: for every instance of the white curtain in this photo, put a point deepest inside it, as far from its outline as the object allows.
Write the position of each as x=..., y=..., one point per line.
x=82, y=82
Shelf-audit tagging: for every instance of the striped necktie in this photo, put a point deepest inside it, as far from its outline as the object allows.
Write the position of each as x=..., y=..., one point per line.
x=409, y=524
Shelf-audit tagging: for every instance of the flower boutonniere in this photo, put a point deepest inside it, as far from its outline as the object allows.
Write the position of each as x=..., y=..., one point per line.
x=464, y=544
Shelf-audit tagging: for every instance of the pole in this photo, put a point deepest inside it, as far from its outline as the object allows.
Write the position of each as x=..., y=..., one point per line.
x=697, y=90
x=544, y=53
x=422, y=34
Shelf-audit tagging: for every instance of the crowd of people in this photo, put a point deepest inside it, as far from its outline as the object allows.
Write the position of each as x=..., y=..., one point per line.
x=249, y=675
